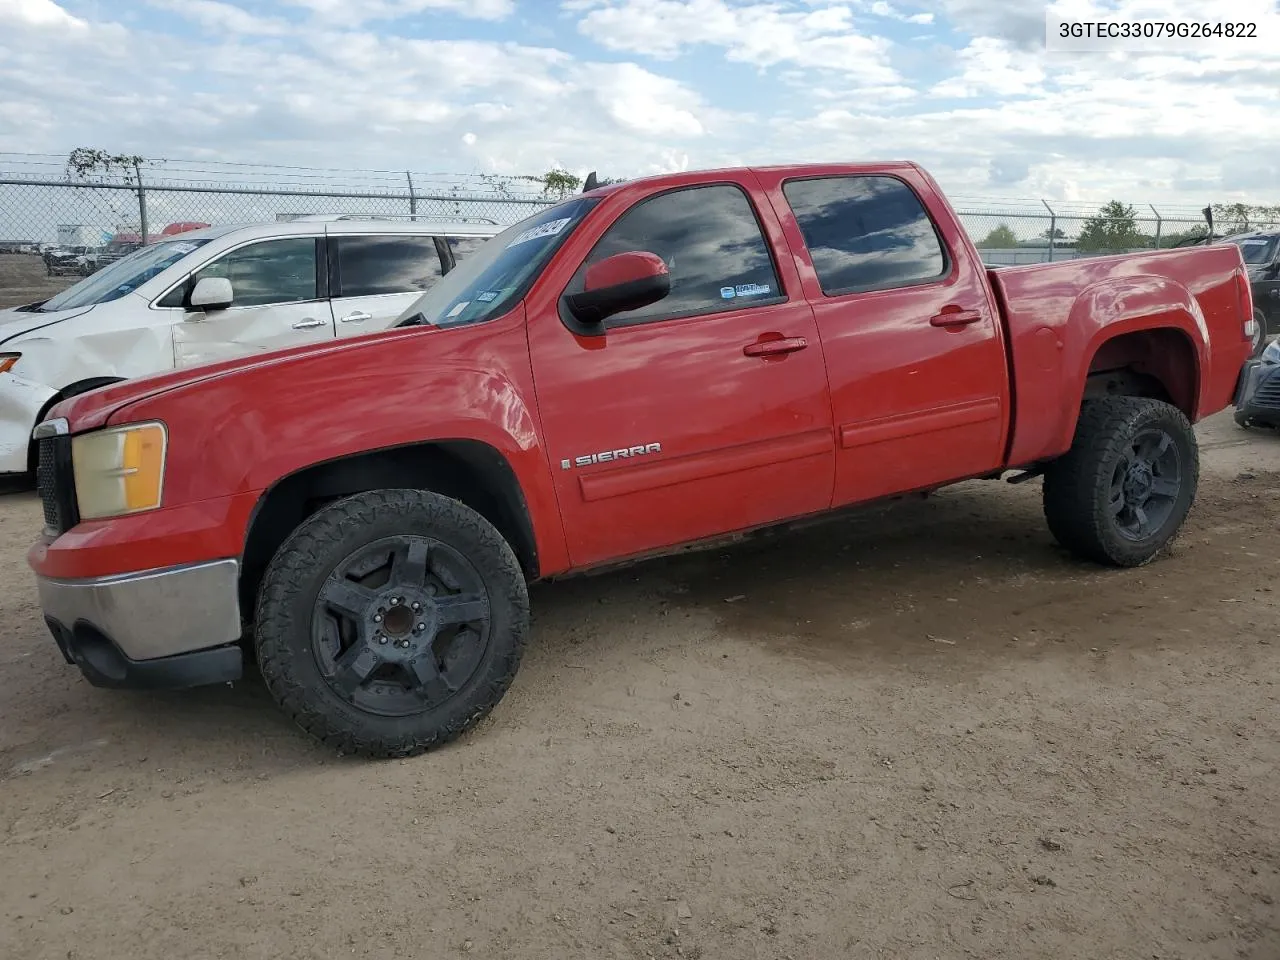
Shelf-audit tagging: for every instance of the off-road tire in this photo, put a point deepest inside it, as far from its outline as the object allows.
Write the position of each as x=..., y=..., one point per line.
x=1078, y=486
x=290, y=590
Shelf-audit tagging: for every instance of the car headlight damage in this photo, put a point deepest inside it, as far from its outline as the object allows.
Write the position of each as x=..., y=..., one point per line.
x=119, y=470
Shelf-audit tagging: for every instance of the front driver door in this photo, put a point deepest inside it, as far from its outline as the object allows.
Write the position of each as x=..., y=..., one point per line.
x=280, y=301
x=682, y=422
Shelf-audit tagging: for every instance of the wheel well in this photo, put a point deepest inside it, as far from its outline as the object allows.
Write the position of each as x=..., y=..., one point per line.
x=465, y=470
x=1160, y=364
x=72, y=390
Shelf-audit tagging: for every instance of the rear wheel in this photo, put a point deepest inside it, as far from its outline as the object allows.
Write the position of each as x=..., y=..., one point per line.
x=1123, y=490
x=391, y=622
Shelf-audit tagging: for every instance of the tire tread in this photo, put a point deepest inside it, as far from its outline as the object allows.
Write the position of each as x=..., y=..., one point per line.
x=1076, y=515
x=305, y=550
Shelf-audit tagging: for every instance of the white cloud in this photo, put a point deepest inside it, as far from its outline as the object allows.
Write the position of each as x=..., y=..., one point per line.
x=990, y=66
x=882, y=9
x=356, y=12
x=324, y=92
x=218, y=16
x=759, y=34
x=39, y=13
x=644, y=102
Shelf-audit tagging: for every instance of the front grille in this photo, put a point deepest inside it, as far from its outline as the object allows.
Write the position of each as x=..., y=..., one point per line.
x=55, y=483
x=1268, y=392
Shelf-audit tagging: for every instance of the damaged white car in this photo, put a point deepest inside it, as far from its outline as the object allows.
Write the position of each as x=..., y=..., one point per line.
x=212, y=294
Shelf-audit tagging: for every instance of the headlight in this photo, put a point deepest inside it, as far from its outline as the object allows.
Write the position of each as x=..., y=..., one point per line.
x=119, y=470
x=7, y=360
x=1272, y=353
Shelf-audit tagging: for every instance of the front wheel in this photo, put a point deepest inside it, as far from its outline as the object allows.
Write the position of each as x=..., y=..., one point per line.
x=391, y=621
x=1123, y=490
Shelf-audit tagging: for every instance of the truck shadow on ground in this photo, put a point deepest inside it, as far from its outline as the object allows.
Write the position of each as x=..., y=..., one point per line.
x=973, y=566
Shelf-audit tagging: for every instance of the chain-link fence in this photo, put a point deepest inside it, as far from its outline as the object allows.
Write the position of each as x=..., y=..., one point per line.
x=1016, y=232
x=73, y=221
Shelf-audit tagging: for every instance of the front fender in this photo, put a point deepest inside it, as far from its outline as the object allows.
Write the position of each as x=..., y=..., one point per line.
x=245, y=431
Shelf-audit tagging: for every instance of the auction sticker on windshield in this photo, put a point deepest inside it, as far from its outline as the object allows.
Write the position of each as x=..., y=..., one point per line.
x=548, y=229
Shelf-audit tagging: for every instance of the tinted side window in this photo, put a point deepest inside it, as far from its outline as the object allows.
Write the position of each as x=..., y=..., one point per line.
x=463, y=247
x=272, y=271
x=713, y=247
x=369, y=266
x=865, y=233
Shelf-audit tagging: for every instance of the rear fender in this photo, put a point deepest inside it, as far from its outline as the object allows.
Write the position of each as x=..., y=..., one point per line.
x=1116, y=308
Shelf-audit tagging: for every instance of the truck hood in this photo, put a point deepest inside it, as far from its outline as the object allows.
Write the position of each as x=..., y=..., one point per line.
x=16, y=321
x=89, y=411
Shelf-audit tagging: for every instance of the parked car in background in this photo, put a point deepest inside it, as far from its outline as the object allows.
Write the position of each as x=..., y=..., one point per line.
x=1261, y=252
x=637, y=370
x=213, y=294
x=1257, y=400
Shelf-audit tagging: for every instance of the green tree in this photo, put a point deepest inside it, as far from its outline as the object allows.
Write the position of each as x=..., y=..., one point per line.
x=1113, y=229
x=82, y=162
x=1239, y=217
x=1001, y=237
x=1054, y=233
x=559, y=183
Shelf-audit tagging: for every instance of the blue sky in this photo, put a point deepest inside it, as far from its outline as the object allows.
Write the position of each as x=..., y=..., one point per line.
x=631, y=87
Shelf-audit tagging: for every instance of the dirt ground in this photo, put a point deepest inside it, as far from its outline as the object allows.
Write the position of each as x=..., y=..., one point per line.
x=23, y=280
x=923, y=733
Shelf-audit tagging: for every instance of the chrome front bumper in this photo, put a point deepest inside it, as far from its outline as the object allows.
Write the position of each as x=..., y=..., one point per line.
x=136, y=624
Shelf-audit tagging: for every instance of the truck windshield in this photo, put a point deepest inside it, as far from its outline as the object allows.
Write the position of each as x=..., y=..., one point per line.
x=1258, y=250
x=493, y=279
x=124, y=276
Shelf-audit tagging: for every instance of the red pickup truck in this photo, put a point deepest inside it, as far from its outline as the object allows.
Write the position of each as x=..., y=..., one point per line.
x=636, y=369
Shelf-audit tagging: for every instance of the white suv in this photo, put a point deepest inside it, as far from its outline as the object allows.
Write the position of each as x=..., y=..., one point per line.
x=212, y=294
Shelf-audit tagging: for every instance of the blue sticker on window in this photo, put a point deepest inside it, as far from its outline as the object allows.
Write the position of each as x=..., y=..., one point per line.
x=488, y=296
x=727, y=293
x=750, y=289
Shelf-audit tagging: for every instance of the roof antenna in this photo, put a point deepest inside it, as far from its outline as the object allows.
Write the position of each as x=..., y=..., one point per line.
x=591, y=183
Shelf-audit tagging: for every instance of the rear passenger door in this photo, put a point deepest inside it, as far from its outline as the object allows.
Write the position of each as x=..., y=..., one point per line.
x=914, y=348
x=375, y=277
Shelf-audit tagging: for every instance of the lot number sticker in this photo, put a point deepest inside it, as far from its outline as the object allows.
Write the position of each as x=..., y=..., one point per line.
x=548, y=229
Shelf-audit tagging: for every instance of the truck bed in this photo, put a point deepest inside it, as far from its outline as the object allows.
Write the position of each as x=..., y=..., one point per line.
x=1057, y=315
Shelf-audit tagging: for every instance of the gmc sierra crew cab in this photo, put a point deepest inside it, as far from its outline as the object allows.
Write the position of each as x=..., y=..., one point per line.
x=637, y=369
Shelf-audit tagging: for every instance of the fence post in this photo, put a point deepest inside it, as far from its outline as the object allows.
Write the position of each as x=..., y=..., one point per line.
x=1053, y=226
x=413, y=197
x=1159, y=223
x=142, y=202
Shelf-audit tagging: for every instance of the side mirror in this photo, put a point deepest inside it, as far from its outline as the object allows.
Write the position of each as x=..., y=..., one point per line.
x=625, y=281
x=212, y=293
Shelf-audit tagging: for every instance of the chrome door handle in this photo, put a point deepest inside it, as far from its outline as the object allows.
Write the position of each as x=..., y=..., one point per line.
x=358, y=317
x=308, y=323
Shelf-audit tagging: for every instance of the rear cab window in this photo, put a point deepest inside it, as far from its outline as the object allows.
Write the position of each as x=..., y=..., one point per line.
x=866, y=232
